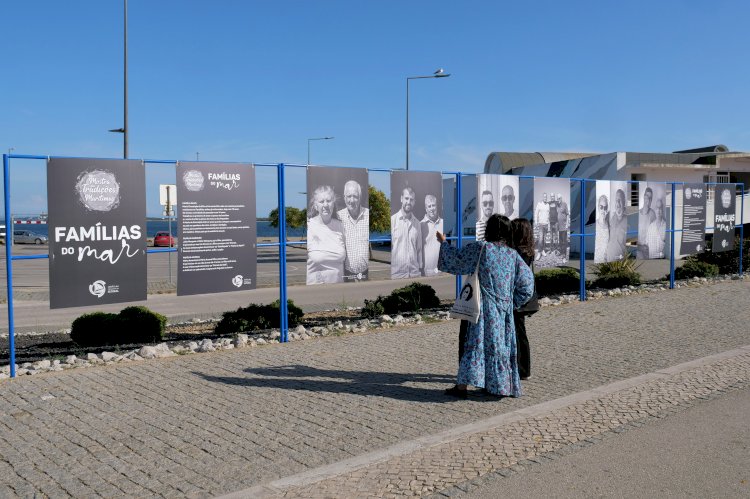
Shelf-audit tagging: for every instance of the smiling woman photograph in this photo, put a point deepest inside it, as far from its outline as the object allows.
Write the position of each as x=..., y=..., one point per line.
x=326, y=250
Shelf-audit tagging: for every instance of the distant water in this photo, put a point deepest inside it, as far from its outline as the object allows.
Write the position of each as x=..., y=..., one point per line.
x=154, y=226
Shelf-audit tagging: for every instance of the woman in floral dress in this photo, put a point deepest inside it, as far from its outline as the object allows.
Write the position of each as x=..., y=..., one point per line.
x=506, y=282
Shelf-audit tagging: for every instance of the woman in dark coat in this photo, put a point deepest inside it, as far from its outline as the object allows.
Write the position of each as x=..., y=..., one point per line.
x=523, y=243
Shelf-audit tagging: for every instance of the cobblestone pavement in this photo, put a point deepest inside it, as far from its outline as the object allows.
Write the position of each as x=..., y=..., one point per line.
x=211, y=424
x=528, y=440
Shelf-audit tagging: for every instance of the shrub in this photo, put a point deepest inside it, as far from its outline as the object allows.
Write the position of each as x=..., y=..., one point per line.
x=727, y=261
x=131, y=325
x=695, y=268
x=373, y=308
x=256, y=317
x=415, y=296
x=140, y=325
x=624, y=265
x=557, y=281
x=95, y=328
x=617, y=280
x=616, y=274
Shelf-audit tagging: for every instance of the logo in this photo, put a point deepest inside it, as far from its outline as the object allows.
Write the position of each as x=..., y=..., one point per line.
x=98, y=190
x=724, y=243
x=699, y=248
x=193, y=180
x=237, y=280
x=98, y=288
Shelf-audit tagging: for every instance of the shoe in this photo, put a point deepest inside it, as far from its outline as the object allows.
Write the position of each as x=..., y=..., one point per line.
x=523, y=378
x=454, y=391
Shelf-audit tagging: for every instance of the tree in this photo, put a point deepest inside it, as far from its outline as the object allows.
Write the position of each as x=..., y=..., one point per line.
x=295, y=217
x=380, y=211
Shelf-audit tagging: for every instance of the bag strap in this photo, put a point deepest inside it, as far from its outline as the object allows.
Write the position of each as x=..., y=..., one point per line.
x=479, y=258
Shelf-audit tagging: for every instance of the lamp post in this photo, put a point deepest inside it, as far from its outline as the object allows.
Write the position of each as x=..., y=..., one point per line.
x=437, y=74
x=308, y=146
x=124, y=129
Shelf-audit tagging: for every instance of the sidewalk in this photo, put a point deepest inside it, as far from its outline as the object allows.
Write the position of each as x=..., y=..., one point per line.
x=266, y=420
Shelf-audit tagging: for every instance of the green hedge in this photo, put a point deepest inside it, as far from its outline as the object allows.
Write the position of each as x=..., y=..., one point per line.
x=728, y=262
x=617, y=280
x=694, y=268
x=415, y=296
x=557, y=281
x=256, y=317
x=131, y=325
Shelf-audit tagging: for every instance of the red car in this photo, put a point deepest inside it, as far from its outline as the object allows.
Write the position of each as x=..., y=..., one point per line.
x=163, y=239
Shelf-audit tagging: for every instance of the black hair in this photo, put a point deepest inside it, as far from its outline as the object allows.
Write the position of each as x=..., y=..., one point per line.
x=523, y=237
x=498, y=229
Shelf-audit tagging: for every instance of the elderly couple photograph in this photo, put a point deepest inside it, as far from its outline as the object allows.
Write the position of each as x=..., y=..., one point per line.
x=338, y=225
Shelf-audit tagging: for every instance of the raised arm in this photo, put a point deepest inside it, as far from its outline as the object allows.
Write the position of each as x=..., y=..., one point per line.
x=459, y=261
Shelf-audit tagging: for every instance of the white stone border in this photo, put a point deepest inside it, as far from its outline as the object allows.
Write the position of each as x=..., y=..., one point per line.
x=300, y=333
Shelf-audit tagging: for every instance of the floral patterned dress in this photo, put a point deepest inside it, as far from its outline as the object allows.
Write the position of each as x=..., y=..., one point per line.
x=489, y=359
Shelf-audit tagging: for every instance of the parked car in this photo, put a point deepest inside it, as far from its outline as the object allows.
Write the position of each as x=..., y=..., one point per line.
x=163, y=239
x=28, y=237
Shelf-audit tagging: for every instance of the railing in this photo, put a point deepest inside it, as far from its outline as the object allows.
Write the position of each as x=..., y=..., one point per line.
x=283, y=243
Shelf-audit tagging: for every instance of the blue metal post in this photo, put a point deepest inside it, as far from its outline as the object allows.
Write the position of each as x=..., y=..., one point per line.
x=459, y=225
x=742, y=222
x=284, y=313
x=582, y=238
x=671, y=238
x=9, y=265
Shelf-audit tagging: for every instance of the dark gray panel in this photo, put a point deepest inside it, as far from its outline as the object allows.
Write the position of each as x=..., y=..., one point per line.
x=217, y=244
x=97, y=231
x=724, y=218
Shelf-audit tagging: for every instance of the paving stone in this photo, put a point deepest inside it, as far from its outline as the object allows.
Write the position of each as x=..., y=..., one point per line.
x=235, y=419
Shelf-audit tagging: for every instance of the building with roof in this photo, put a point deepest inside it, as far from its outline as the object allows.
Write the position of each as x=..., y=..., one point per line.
x=712, y=164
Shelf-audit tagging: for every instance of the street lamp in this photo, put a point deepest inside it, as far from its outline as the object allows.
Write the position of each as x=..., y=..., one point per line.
x=437, y=74
x=124, y=129
x=308, y=146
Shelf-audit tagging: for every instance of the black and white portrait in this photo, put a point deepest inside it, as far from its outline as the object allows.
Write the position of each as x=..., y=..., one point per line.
x=496, y=194
x=338, y=225
x=601, y=240
x=551, y=221
x=416, y=215
x=652, y=220
x=693, y=234
x=724, y=217
x=611, y=221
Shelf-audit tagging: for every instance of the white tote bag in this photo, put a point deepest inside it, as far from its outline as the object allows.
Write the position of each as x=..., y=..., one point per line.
x=468, y=304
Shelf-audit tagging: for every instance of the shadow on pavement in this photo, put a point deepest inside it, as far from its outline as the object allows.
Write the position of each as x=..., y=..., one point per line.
x=365, y=383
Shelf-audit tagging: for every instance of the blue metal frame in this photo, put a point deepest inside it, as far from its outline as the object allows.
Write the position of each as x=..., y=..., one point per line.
x=582, y=241
x=9, y=265
x=283, y=243
x=459, y=225
x=742, y=223
x=672, y=230
x=284, y=322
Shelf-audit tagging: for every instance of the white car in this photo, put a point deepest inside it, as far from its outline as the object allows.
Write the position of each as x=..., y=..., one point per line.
x=28, y=237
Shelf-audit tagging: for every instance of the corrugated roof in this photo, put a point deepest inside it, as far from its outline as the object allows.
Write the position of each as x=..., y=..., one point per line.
x=503, y=162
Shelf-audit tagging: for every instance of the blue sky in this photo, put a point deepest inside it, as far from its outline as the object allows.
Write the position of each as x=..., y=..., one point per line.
x=251, y=81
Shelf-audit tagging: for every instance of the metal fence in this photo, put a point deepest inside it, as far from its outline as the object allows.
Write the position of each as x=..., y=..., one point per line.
x=283, y=243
